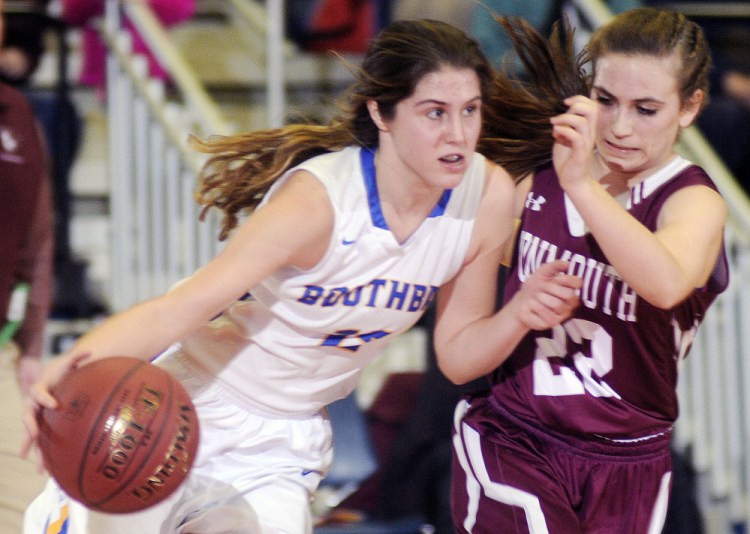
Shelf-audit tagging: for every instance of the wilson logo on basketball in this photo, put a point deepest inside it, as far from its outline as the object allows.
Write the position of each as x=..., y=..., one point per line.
x=178, y=458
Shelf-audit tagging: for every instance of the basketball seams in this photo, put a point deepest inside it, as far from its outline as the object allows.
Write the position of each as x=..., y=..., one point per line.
x=96, y=430
x=162, y=428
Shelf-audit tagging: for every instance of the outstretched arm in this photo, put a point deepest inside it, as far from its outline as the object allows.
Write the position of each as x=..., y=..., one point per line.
x=293, y=229
x=471, y=339
x=467, y=349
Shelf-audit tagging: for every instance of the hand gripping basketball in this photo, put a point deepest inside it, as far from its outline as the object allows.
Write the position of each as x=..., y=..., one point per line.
x=124, y=436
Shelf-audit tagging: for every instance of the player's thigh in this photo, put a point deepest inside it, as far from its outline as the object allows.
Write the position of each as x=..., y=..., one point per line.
x=506, y=488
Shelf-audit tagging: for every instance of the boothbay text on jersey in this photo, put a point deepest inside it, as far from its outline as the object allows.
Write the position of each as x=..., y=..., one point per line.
x=394, y=295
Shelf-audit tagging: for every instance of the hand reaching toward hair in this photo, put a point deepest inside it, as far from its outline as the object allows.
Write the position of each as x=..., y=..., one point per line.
x=575, y=135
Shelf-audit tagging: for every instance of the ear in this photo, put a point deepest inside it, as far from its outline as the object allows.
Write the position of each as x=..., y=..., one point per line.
x=372, y=107
x=691, y=108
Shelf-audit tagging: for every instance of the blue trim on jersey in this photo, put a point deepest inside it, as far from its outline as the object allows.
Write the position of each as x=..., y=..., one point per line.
x=367, y=160
x=439, y=208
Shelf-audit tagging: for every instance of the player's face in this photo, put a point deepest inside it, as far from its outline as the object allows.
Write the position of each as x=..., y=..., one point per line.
x=434, y=132
x=640, y=113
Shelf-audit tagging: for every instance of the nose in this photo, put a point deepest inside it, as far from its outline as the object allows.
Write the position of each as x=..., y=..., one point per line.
x=621, y=126
x=455, y=130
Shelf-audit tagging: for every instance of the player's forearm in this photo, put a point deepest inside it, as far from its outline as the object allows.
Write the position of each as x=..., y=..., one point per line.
x=143, y=332
x=480, y=347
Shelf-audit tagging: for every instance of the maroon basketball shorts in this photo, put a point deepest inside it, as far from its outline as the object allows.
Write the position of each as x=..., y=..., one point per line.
x=510, y=479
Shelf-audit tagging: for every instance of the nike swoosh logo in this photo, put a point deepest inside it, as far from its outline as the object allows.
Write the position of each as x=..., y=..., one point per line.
x=348, y=242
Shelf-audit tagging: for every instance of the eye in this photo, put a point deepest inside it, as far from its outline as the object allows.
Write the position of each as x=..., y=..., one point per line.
x=471, y=110
x=604, y=100
x=435, y=113
x=646, y=111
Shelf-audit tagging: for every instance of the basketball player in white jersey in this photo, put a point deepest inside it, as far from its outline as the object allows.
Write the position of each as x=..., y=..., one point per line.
x=361, y=222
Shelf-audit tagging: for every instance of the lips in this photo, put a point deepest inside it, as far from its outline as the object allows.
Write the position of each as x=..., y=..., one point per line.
x=452, y=158
x=619, y=148
x=453, y=162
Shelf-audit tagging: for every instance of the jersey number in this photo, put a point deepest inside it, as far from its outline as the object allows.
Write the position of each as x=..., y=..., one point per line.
x=592, y=361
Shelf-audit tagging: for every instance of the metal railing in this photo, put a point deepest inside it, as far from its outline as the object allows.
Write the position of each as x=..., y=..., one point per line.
x=157, y=238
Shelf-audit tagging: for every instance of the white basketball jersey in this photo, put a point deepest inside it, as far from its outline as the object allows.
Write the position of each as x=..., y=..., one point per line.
x=301, y=338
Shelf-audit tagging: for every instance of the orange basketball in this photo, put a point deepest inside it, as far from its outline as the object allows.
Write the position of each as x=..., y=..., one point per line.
x=124, y=436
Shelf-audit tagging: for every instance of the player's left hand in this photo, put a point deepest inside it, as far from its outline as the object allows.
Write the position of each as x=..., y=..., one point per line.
x=39, y=397
x=548, y=297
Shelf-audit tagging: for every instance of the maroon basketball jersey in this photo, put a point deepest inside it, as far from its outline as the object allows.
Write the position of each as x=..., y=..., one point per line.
x=611, y=369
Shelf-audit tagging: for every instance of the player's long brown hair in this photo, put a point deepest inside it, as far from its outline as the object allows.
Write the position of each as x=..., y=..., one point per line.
x=517, y=132
x=241, y=168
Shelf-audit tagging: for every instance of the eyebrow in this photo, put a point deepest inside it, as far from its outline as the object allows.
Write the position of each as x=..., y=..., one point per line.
x=442, y=103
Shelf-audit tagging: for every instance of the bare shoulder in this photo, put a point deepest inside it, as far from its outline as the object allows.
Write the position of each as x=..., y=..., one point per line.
x=298, y=218
x=301, y=199
x=697, y=203
x=498, y=190
x=498, y=178
x=303, y=184
x=495, y=216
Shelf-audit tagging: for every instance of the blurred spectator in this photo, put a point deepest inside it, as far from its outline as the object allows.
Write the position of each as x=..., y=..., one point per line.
x=23, y=44
x=85, y=13
x=27, y=25
x=726, y=119
x=340, y=25
x=26, y=232
x=26, y=241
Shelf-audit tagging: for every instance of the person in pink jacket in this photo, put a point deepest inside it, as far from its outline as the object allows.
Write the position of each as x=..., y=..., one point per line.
x=83, y=13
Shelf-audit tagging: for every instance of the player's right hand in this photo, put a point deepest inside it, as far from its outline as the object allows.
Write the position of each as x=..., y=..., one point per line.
x=40, y=396
x=549, y=296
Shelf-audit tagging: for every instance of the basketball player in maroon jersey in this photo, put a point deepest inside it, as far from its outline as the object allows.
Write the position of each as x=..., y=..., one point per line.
x=574, y=434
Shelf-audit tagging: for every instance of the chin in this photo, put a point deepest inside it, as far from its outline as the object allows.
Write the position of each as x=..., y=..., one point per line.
x=452, y=181
x=618, y=164
x=617, y=167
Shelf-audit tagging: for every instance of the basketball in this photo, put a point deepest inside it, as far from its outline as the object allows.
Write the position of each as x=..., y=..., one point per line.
x=123, y=437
